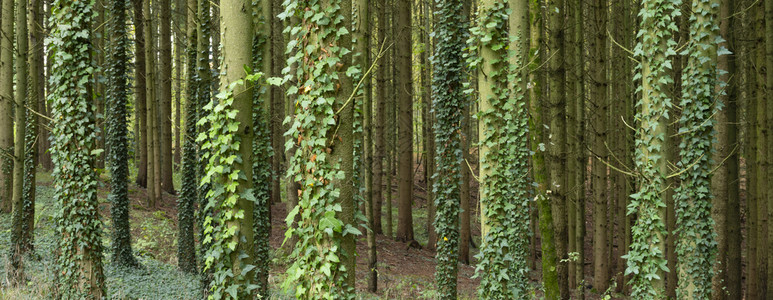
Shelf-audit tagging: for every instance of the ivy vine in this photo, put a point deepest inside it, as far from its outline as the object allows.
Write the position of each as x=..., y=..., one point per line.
x=449, y=101
x=646, y=260
x=186, y=247
x=220, y=150
x=117, y=135
x=316, y=73
x=79, y=261
x=502, y=259
x=696, y=246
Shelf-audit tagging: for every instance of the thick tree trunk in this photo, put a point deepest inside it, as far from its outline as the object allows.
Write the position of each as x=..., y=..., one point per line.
x=140, y=92
x=557, y=142
x=237, y=53
x=79, y=227
x=404, y=94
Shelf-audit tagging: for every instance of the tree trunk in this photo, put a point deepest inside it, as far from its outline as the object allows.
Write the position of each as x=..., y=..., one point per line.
x=165, y=97
x=79, y=255
x=379, y=118
x=20, y=100
x=150, y=108
x=117, y=136
x=725, y=181
x=598, y=115
x=180, y=23
x=236, y=55
x=6, y=106
x=557, y=142
x=769, y=141
x=404, y=94
x=362, y=34
x=140, y=92
x=695, y=246
x=186, y=204
x=648, y=203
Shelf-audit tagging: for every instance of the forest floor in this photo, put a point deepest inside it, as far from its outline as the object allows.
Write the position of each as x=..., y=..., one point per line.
x=405, y=272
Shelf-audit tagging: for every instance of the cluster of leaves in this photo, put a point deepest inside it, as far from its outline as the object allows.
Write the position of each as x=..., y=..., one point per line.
x=220, y=149
x=502, y=260
x=117, y=133
x=315, y=68
x=696, y=244
x=646, y=259
x=186, y=247
x=449, y=101
x=79, y=261
x=262, y=154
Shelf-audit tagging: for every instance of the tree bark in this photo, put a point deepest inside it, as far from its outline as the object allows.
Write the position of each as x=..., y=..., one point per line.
x=6, y=106
x=404, y=94
x=140, y=92
x=165, y=97
x=20, y=101
x=598, y=114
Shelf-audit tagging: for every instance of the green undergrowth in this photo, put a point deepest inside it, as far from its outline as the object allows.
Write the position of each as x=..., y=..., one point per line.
x=154, y=280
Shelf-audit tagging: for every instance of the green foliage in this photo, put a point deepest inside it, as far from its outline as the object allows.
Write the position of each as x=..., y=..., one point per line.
x=448, y=105
x=696, y=246
x=220, y=149
x=645, y=258
x=502, y=259
x=315, y=72
x=262, y=154
x=186, y=247
x=117, y=134
x=73, y=147
x=203, y=97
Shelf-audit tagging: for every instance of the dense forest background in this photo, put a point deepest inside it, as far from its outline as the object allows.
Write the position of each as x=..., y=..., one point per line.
x=339, y=149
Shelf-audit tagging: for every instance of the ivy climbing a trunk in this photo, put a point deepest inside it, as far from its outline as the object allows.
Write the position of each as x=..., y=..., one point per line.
x=321, y=129
x=79, y=259
x=646, y=260
x=118, y=158
x=448, y=102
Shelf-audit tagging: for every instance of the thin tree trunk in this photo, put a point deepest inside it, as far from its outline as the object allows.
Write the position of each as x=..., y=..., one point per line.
x=150, y=107
x=6, y=106
x=404, y=92
x=165, y=97
x=21, y=70
x=379, y=119
x=598, y=115
x=140, y=91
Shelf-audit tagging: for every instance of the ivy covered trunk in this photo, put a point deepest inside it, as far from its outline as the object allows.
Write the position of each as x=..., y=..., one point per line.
x=504, y=154
x=117, y=136
x=448, y=101
x=322, y=163
x=186, y=203
x=262, y=147
x=79, y=259
x=655, y=49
